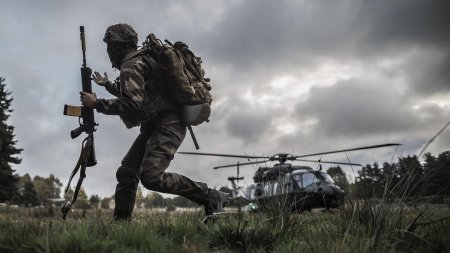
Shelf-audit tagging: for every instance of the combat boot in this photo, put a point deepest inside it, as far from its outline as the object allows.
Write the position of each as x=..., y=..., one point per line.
x=216, y=202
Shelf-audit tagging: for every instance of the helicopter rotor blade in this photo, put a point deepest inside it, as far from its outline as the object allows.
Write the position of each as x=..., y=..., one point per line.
x=224, y=155
x=239, y=164
x=330, y=162
x=351, y=149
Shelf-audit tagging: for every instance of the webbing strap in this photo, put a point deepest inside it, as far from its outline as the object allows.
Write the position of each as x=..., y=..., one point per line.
x=86, y=147
x=193, y=137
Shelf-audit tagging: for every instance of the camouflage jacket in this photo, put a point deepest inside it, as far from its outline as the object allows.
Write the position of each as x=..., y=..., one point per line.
x=140, y=93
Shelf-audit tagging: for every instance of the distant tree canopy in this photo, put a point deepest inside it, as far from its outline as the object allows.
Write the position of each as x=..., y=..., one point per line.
x=339, y=177
x=438, y=174
x=104, y=203
x=407, y=178
x=82, y=200
x=94, y=200
x=154, y=199
x=181, y=201
x=8, y=150
x=47, y=188
x=37, y=191
x=27, y=191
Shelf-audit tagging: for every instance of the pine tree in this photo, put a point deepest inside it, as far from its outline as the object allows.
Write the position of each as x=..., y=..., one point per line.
x=437, y=173
x=29, y=195
x=8, y=151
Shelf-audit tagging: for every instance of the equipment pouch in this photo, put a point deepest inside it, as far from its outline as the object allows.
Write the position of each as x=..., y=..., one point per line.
x=195, y=114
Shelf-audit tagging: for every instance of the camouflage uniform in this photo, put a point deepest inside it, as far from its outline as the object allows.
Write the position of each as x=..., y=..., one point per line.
x=141, y=100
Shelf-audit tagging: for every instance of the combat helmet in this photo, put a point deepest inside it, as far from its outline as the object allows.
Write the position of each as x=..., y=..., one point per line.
x=121, y=33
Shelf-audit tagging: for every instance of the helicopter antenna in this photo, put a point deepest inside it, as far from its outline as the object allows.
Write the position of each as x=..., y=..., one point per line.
x=237, y=174
x=319, y=164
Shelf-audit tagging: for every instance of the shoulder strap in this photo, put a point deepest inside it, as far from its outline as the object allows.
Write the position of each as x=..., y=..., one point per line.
x=81, y=165
x=135, y=53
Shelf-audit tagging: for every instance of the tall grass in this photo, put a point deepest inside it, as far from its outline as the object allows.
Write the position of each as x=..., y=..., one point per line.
x=363, y=227
x=388, y=223
x=393, y=221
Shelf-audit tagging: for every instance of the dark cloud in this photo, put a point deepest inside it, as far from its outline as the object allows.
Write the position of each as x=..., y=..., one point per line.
x=403, y=23
x=247, y=126
x=262, y=34
x=283, y=36
x=247, y=123
x=358, y=108
x=429, y=73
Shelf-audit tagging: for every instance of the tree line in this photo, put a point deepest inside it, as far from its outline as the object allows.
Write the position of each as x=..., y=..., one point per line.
x=407, y=177
x=149, y=200
x=44, y=191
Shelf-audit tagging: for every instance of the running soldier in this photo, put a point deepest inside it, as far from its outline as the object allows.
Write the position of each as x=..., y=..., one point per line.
x=142, y=100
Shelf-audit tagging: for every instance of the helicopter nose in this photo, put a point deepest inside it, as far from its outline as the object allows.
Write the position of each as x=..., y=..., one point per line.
x=326, y=189
x=337, y=190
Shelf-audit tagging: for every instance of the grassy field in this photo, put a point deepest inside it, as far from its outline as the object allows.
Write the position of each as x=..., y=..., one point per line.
x=359, y=226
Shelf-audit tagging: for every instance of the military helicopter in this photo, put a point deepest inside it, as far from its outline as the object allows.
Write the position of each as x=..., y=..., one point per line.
x=286, y=186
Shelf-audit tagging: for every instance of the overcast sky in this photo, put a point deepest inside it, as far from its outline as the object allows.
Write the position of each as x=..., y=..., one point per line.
x=288, y=76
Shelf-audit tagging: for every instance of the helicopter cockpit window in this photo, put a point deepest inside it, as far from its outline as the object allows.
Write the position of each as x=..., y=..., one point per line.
x=305, y=179
x=298, y=180
x=327, y=178
x=308, y=179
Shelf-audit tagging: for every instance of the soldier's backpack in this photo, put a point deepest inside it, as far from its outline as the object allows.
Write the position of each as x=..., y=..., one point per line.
x=185, y=78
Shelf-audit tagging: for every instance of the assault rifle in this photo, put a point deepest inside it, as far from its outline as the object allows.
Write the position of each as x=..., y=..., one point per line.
x=87, y=125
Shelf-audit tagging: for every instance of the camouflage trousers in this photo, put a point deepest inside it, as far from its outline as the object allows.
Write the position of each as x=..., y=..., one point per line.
x=146, y=161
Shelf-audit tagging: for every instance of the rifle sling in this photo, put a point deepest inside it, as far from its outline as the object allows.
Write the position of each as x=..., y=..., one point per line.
x=81, y=166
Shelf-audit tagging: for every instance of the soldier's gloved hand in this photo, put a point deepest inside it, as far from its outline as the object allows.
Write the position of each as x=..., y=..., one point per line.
x=99, y=79
x=88, y=100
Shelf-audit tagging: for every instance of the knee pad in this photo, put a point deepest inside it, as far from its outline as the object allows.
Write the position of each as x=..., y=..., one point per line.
x=151, y=179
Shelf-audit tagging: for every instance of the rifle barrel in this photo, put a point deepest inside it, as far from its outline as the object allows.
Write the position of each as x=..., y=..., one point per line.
x=83, y=45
